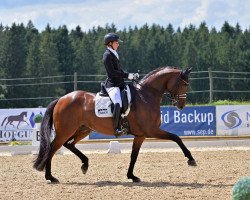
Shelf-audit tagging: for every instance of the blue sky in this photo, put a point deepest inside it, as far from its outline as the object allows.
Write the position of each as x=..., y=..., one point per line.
x=125, y=13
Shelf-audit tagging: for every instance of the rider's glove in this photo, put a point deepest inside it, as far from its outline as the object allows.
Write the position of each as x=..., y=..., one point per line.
x=130, y=76
x=133, y=76
x=136, y=76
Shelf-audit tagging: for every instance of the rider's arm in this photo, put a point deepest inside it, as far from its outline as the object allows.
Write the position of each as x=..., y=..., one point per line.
x=112, y=72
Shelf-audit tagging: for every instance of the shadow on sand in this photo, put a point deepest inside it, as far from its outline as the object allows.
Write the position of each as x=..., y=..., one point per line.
x=149, y=184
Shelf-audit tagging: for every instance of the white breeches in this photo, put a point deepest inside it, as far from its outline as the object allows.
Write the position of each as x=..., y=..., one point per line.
x=115, y=95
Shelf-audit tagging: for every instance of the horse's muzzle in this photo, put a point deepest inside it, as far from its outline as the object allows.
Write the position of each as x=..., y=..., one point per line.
x=178, y=105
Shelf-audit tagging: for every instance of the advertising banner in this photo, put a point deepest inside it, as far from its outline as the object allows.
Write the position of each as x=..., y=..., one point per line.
x=233, y=120
x=18, y=124
x=191, y=121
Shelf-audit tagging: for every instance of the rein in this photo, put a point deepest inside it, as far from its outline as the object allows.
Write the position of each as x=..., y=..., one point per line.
x=155, y=91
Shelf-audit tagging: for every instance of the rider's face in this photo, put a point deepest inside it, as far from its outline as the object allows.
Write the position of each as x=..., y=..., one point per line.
x=115, y=45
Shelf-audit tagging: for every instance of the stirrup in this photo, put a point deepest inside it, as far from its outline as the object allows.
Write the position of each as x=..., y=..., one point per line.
x=118, y=132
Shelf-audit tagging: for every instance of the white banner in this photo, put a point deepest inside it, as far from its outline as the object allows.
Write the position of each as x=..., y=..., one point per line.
x=18, y=124
x=233, y=120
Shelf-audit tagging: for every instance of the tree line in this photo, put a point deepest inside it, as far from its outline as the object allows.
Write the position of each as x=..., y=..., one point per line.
x=25, y=52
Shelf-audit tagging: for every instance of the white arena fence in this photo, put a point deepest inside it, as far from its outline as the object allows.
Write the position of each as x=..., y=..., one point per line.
x=206, y=86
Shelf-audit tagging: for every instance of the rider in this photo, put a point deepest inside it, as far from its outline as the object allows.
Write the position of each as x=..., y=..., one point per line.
x=115, y=76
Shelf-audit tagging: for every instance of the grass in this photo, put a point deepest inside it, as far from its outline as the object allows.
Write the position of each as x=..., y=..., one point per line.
x=227, y=102
x=221, y=102
x=16, y=143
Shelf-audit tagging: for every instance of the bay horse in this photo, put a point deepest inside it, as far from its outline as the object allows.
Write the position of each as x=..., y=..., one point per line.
x=73, y=116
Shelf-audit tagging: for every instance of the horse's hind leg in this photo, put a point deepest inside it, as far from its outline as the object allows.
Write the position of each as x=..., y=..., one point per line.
x=81, y=133
x=48, y=175
x=170, y=136
x=54, y=146
x=9, y=122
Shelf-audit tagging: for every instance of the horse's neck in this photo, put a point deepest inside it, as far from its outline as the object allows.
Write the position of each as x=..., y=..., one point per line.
x=156, y=84
x=23, y=114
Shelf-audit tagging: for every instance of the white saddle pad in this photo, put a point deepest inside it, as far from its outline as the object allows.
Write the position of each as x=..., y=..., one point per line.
x=103, y=105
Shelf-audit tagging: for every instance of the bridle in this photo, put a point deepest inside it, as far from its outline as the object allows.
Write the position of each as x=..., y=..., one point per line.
x=173, y=93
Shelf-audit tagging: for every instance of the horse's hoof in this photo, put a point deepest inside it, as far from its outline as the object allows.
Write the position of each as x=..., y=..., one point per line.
x=52, y=181
x=192, y=163
x=84, y=168
x=136, y=180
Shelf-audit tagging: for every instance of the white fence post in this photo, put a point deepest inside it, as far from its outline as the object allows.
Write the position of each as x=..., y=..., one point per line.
x=75, y=81
x=210, y=85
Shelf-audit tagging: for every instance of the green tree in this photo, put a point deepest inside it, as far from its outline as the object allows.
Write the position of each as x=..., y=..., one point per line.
x=33, y=56
x=14, y=60
x=189, y=58
x=3, y=89
x=65, y=56
x=87, y=63
x=49, y=65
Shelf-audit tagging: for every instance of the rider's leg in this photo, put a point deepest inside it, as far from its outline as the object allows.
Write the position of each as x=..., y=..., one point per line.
x=115, y=96
x=116, y=116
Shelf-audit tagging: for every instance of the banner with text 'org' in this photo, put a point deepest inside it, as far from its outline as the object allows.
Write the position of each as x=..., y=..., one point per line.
x=18, y=124
x=191, y=121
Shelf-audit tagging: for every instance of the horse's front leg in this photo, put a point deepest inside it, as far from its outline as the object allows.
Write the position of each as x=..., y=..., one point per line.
x=170, y=136
x=9, y=122
x=134, y=154
x=18, y=124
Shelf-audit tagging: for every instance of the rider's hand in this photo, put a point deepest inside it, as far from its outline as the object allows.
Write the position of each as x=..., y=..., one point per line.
x=136, y=76
x=131, y=76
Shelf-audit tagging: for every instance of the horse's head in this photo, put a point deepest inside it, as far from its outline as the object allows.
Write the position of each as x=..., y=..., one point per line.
x=24, y=114
x=178, y=91
x=171, y=79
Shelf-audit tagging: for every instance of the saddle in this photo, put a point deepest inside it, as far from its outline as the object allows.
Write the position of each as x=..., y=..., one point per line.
x=104, y=106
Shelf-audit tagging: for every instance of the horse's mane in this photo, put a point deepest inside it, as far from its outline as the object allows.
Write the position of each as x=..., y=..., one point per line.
x=155, y=71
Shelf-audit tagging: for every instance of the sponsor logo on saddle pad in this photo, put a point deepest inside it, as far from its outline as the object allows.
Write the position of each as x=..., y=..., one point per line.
x=103, y=111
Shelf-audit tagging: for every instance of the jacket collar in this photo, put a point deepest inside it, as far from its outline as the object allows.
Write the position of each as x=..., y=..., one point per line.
x=114, y=52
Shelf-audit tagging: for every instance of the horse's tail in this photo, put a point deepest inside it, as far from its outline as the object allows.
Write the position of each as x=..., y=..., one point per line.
x=3, y=121
x=45, y=135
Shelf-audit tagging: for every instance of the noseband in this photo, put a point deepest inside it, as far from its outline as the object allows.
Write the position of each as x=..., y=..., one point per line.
x=176, y=97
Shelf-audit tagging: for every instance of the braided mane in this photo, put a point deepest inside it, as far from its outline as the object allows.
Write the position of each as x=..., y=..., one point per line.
x=155, y=71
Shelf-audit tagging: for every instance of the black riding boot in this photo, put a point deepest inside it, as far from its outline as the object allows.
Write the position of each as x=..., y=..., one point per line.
x=116, y=116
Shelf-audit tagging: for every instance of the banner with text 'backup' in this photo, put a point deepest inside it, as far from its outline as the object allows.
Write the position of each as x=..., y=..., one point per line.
x=191, y=121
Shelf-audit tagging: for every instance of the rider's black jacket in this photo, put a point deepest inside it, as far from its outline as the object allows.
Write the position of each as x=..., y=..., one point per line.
x=115, y=75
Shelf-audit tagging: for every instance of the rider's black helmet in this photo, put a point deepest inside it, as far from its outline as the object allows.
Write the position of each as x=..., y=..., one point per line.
x=111, y=37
